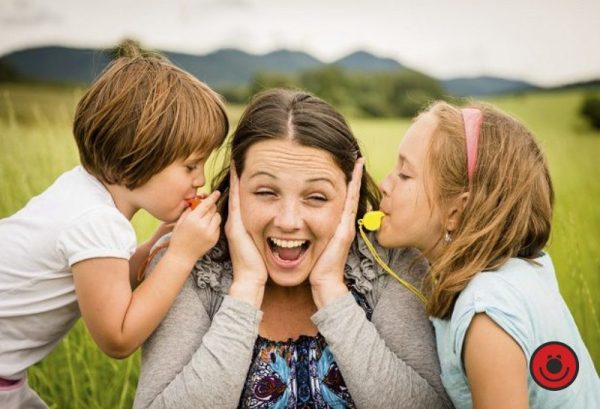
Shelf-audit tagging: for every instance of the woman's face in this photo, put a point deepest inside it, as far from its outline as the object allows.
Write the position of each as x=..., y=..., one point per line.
x=291, y=200
x=410, y=219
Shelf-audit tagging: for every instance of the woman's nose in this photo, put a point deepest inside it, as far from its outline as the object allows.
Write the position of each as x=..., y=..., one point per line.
x=288, y=216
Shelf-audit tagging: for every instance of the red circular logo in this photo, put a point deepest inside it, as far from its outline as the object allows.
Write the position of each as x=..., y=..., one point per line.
x=554, y=366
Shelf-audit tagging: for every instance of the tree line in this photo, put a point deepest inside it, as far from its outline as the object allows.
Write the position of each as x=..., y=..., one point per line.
x=373, y=94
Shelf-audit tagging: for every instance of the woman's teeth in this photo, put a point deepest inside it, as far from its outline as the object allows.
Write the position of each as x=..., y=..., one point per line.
x=287, y=244
x=288, y=250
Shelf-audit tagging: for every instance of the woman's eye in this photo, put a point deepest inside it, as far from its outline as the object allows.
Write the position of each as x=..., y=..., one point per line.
x=318, y=198
x=403, y=176
x=264, y=193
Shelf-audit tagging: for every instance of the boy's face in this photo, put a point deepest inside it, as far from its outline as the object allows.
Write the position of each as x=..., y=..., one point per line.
x=164, y=195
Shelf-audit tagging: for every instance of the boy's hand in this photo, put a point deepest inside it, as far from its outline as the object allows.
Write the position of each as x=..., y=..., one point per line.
x=195, y=201
x=196, y=231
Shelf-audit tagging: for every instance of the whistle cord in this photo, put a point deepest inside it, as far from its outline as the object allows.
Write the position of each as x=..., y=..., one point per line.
x=383, y=265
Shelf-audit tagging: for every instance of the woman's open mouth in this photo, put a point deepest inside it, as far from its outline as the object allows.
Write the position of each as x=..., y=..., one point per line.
x=287, y=253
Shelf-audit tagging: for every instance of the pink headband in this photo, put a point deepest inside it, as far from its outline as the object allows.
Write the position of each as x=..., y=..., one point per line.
x=472, y=118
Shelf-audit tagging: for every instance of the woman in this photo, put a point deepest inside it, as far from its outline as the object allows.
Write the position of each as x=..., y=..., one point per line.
x=291, y=311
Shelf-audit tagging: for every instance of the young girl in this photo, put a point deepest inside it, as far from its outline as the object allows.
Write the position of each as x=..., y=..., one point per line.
x=144, y=130
x=471, y=190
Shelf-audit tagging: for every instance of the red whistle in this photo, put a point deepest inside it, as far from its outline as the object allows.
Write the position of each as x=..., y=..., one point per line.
x=193, y=202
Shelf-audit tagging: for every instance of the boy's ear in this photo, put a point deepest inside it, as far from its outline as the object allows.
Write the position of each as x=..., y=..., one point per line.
x=455, y=211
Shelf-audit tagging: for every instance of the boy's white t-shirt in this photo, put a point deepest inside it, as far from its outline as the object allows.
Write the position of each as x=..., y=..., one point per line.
x=73, y=220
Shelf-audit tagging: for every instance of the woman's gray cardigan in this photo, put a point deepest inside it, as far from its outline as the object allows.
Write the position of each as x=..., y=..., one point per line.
x=200, y=354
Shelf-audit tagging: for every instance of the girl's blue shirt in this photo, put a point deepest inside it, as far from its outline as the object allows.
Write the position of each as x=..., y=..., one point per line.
x=523, y=298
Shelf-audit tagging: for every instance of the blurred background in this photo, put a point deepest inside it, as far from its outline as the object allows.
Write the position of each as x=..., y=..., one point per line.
x=377, y=61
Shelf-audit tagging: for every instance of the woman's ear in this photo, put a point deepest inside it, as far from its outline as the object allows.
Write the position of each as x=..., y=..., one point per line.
x=455, y=211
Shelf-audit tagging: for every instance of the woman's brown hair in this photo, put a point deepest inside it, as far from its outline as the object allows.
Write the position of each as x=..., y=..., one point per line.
x=306, y=120
x=141, y=115
x=508, y=211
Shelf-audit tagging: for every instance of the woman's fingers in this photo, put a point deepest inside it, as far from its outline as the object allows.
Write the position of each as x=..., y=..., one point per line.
x=327, y=275
x=355, y=184
x=353, y=194
x=234, y=198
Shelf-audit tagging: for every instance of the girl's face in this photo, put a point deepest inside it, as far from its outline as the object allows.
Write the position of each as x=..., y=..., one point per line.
x=410, y=220
x=291, y=200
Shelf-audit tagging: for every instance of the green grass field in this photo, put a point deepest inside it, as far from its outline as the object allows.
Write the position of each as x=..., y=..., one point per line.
x=37, y=146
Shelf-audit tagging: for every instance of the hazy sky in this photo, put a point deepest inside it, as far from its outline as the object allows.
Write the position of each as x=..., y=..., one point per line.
x=544, y=41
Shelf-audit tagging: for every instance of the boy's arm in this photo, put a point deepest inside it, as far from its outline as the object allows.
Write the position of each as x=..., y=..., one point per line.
x=495, y=366
x=137, y=261
x=142, y=252
x=118, y=318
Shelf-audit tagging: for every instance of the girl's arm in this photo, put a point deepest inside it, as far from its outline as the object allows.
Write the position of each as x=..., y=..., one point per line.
x=120, y=319
x=495, y=366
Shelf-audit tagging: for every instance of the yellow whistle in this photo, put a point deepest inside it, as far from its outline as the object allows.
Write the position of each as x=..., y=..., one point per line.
x=372, y=220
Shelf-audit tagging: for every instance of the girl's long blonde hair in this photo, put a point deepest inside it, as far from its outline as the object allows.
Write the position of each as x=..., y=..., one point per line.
x=509, y=207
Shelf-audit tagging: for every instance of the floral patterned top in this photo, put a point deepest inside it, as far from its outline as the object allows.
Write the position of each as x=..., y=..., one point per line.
x=296, y=374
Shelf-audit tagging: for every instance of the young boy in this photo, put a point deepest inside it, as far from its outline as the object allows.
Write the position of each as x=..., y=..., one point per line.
x=144, y=130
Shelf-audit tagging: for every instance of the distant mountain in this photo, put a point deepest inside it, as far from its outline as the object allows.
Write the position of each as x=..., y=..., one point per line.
x=228, y=67
x=364, y=61
x=482, y=86
x=293, y=61
x=57, y=64
x=222, y=68
x=589, y=84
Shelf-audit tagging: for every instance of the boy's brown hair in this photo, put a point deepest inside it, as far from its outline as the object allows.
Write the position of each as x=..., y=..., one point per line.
x=141, y=115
